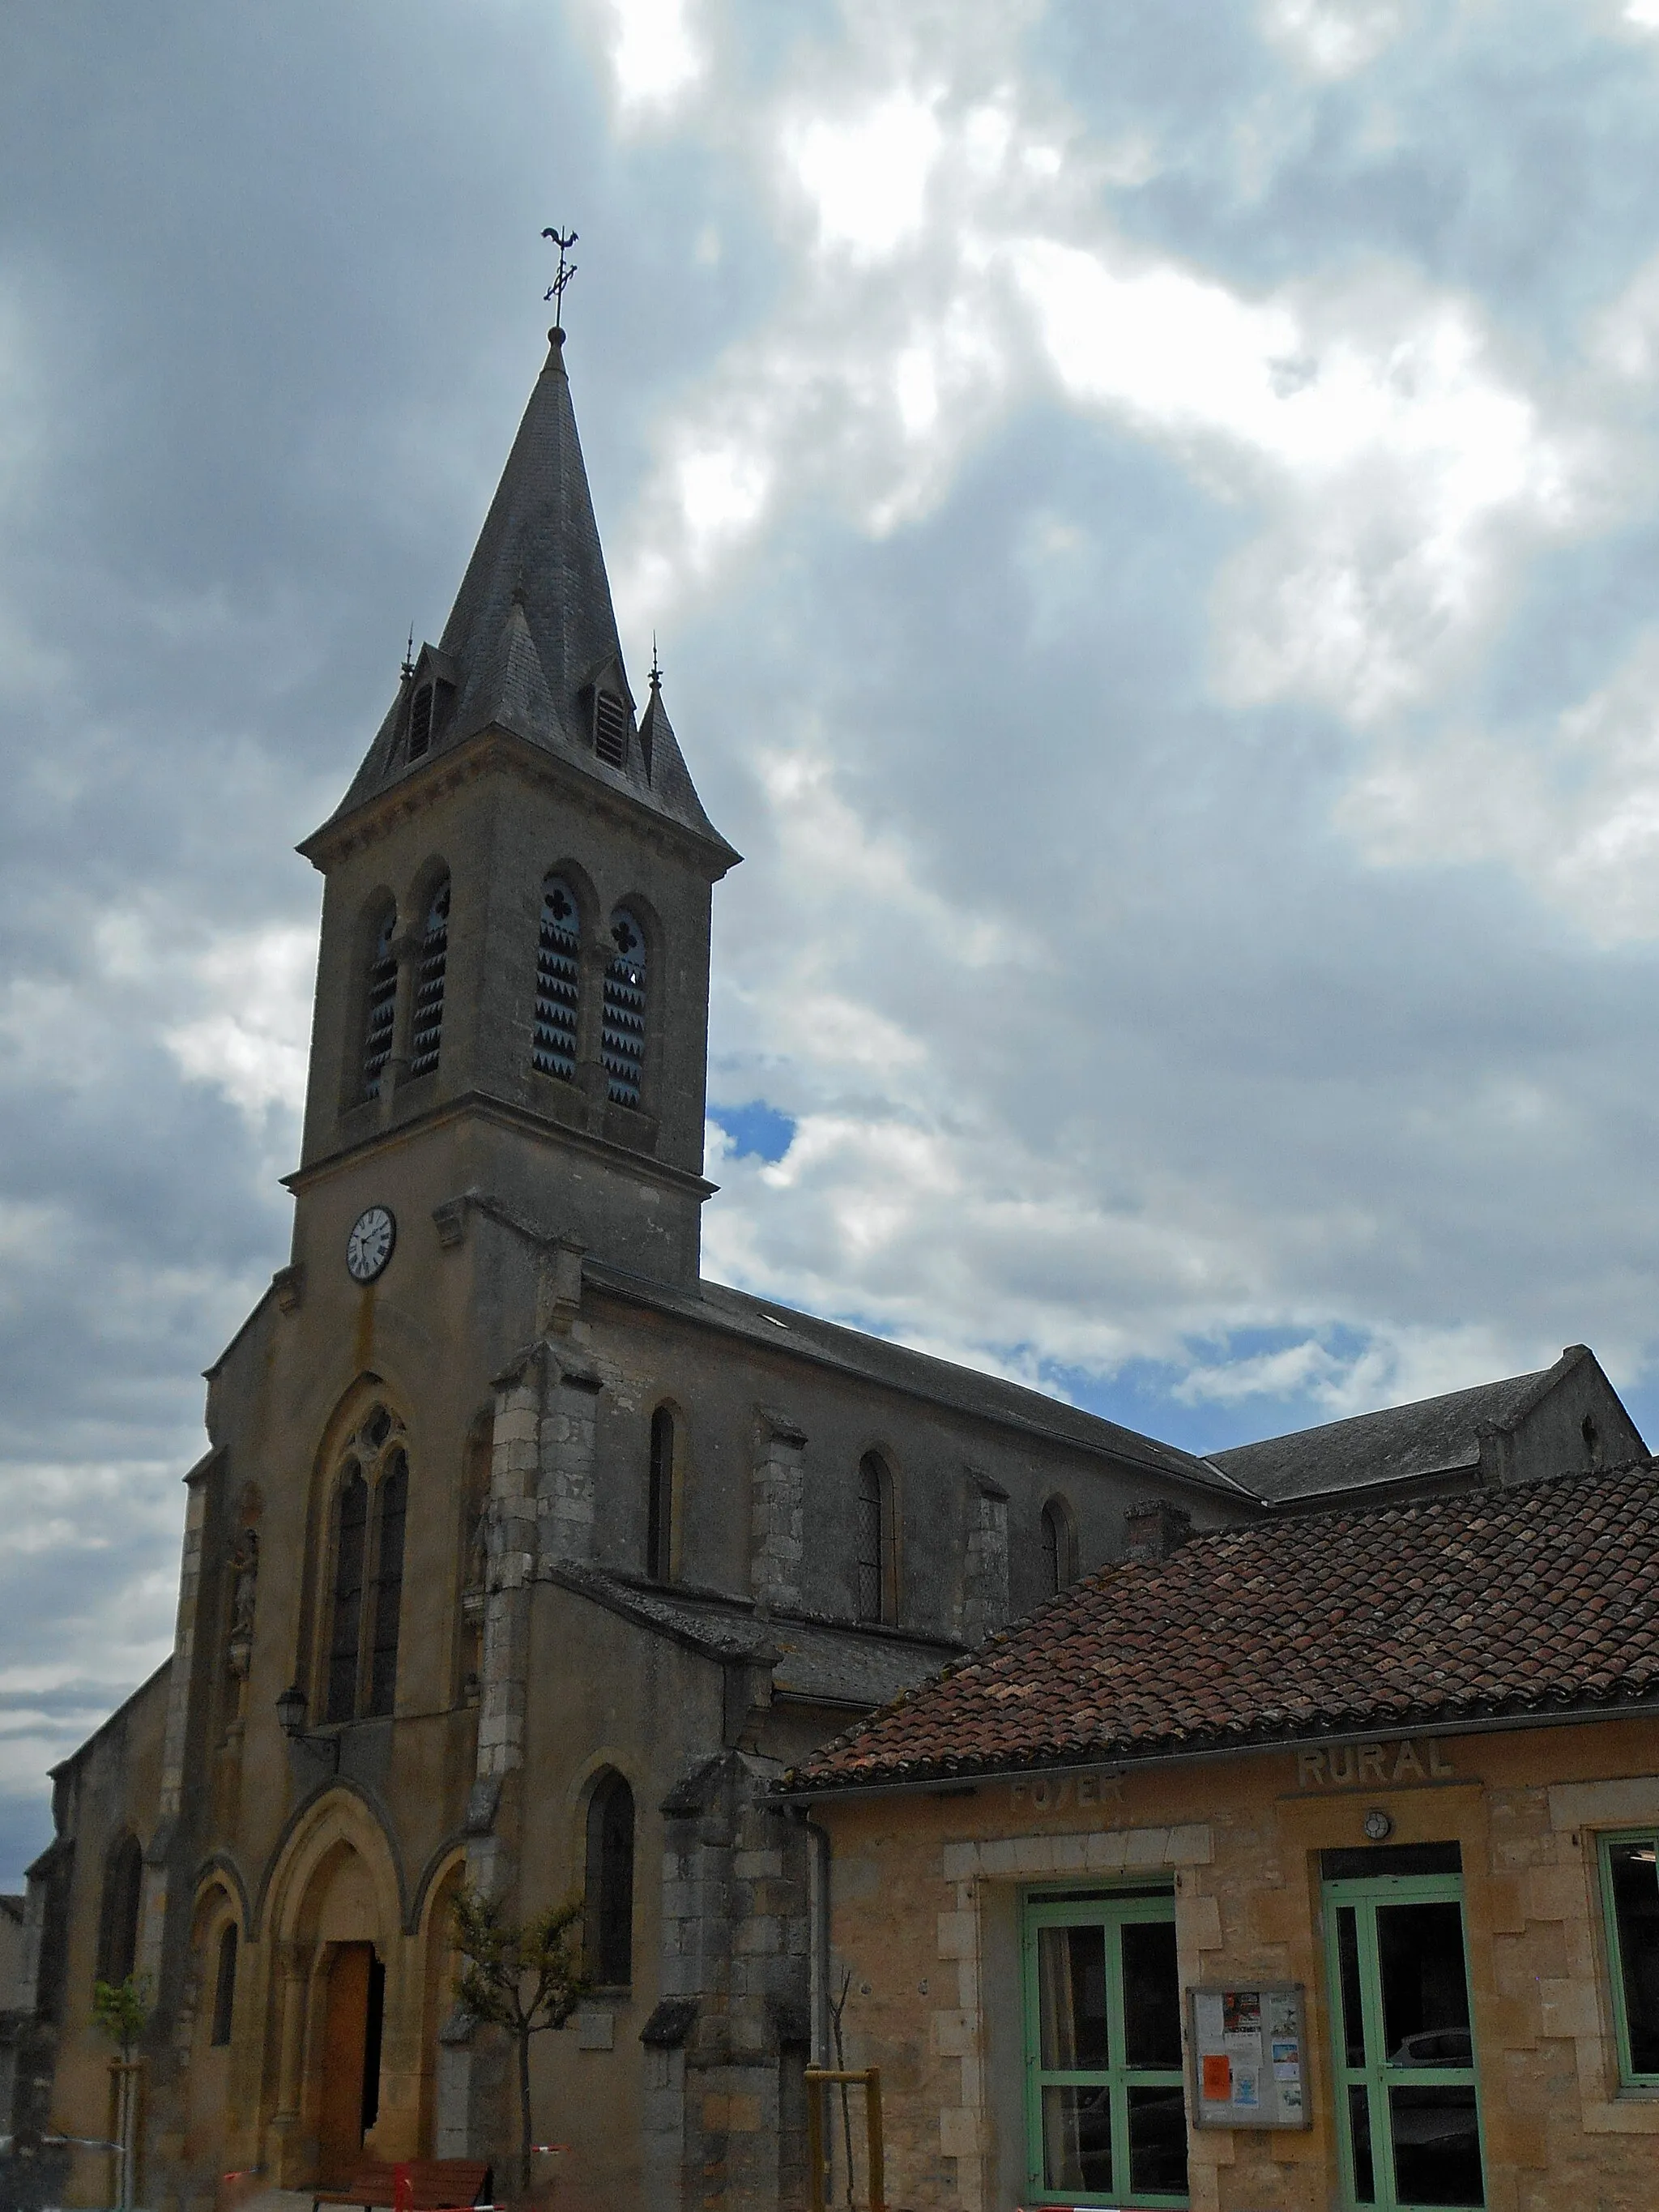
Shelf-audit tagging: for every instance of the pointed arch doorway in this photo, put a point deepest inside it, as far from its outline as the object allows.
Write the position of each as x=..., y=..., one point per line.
x=353, y=2015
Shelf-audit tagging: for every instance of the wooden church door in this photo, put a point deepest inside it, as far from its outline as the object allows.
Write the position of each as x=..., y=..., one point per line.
x=351, y=2057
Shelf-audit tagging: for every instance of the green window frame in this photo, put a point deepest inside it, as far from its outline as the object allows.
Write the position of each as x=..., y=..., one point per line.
x=1379, y=2091
x=1134, y=2111
x=1632, y=1949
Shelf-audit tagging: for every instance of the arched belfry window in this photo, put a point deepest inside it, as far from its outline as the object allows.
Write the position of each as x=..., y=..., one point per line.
x=366, y=1584
x=118, y=1919
x=624, y=1009
x=873, y=1542
x=659, y=1498
x=558, y=981
x=1059, y=1547
x=380, y=1006
x=610, y=728
x=428, y=1024
x=609, y=1889
x=224, y=1983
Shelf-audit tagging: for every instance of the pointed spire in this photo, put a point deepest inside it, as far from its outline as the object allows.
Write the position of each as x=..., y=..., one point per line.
x=532, y=638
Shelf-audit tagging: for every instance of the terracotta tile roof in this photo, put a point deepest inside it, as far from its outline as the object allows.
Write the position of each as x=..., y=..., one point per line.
x=1534, y=1600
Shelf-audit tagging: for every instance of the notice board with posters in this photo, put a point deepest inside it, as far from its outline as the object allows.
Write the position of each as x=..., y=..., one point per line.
x=1250, y=2056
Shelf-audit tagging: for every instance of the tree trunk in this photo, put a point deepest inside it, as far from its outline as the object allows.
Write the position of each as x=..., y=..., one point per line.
x=524, y=2114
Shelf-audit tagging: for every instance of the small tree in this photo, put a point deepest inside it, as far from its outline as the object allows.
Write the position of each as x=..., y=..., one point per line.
x=521, y=1979
x=121, y=2009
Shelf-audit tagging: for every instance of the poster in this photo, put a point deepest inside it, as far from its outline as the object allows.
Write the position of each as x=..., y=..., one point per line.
x=1248, y=2056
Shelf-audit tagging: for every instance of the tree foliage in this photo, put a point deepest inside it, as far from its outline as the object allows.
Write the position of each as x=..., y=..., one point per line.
x=121, y=2009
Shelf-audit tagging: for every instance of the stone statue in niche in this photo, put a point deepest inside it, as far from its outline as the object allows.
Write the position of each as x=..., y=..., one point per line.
x=245, y=1570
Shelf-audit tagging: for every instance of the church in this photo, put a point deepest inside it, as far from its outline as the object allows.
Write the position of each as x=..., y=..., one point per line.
x=522, y=1554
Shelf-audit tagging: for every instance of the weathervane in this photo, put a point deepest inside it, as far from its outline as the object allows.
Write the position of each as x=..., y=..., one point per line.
x=566, y=270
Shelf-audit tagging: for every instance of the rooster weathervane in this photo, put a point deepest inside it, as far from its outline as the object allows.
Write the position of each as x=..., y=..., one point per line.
x=566, y=270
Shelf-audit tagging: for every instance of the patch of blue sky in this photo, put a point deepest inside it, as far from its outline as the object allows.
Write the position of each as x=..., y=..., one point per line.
x=757, y=1130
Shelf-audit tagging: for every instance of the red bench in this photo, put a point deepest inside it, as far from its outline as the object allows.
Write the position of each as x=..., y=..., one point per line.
x=435, y=2184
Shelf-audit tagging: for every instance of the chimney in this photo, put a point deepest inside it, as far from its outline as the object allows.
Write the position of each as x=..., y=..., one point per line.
x=1154, y=1529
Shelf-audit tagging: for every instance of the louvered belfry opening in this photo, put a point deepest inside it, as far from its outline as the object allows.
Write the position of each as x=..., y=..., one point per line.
x=420, y=722
x=624, y=1010
x=558, y=982
x=610, y=728
x=430, y=984
x=381, y=1010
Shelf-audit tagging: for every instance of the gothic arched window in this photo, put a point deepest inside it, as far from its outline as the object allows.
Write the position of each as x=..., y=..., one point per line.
x=609, y=1884
x=224, y=1984
x=624, y=1009
x=370, y=1511
x=118, y=1919
x=1059, y=1547
x=429, y=1024
x=873, y=1542
x=659, y=1498
x=380, y=1002
x=558, y=981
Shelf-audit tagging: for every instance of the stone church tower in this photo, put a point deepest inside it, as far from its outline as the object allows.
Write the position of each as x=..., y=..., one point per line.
x=521, y=1552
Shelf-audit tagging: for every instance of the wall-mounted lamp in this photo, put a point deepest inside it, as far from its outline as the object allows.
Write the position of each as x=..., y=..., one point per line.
x=291, y=1717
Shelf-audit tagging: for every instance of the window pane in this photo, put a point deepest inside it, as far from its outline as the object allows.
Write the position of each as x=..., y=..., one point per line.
x=1157, y=2141
x=347, y=1599
x=1151, y=1995
x=389, y=1593
x=1359, y=2139
x=224, y=1992
x=1072, y=1983
x=1354, y=2018
x=1076, y=2140
x=1425, y=1996
x=1437, y=2146
x=1635, y=1909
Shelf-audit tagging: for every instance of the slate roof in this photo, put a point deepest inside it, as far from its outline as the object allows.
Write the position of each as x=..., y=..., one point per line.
x=788, y=1331
x=816, y=1662
x=1434, y=1435
x=1541, y=1600
x=533, y=629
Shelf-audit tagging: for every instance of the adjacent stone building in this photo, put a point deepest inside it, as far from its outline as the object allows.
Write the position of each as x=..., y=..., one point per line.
x=1304, y=1866
x=520, y=1551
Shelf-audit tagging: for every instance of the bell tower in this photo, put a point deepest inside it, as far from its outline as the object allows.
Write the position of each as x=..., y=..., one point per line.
x=512, y=983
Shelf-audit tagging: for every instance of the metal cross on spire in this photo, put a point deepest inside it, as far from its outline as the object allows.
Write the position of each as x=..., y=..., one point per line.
x=566, y=270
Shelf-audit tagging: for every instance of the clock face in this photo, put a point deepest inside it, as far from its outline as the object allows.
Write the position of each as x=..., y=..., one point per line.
x=369, y=1247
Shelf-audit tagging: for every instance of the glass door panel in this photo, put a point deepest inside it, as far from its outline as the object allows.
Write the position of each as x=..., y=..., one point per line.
x=1107, y=2112
x=1405, y=2045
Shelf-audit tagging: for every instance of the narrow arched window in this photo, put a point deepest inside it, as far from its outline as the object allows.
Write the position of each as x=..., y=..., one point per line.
x=609, y=1884
x=558, y=982
x=1058, y=1548
x=117, y=1931
x=392, y=1501
x=380, y=1003
x=366, y=1583
x=351, y=1539
x=224, y=1984
x=659, y=1499
x=429, y=1024
x=870, y=1533
x=610, y=728
x=420, y=722
x=624, y=1009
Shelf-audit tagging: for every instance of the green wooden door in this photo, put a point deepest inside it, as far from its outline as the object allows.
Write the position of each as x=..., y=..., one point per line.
x=1106, y=2108
x=1408, y=2113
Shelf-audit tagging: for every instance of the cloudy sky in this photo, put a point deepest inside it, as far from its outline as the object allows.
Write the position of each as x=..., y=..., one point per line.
x=1150, y=508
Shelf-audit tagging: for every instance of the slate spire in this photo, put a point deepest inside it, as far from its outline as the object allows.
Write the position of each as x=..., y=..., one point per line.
x=531, y=644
